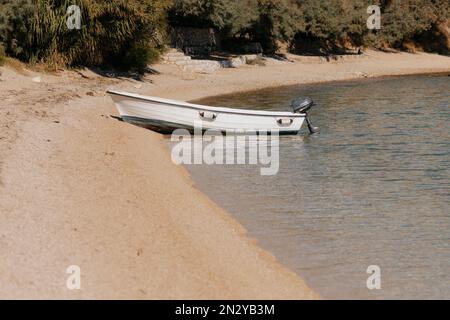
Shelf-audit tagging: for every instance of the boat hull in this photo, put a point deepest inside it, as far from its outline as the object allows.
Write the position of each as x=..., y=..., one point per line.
x=165, y=116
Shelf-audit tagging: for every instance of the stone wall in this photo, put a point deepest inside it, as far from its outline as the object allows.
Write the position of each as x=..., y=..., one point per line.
x=195, y=41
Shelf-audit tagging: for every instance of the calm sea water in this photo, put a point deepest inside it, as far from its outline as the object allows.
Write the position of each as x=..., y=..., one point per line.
x=373, y=188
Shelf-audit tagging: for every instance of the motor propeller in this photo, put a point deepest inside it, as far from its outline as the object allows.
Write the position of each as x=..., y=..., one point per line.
x=303, y=105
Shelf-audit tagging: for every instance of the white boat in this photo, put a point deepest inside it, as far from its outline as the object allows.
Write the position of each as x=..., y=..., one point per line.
x=165, y=116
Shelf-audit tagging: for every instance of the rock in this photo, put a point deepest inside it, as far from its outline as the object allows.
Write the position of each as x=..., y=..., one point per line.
x=37, y=79
x=252, y=56
x=388, y=50
x=362, y=74
x=225, y=64
x=202, y=66
x=237, y=62
x=86, y=73
x=234, y=62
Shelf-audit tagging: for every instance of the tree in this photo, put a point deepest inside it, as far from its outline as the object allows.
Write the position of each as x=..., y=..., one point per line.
x=227, y=16
x=405, y=19
x=321, y=25
x=275, y=23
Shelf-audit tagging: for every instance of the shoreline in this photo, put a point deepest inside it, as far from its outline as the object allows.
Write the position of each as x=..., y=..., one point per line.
x=78, y=187
x=372, y=65
x=343, y=81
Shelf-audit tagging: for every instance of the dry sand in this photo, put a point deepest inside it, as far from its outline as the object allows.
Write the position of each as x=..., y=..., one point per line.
x=78, y=187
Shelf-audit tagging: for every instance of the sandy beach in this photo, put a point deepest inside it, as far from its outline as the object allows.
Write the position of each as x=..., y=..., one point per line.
x=78, y=187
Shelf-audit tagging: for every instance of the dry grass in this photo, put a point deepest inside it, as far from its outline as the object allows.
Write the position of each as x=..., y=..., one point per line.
x=16, y=65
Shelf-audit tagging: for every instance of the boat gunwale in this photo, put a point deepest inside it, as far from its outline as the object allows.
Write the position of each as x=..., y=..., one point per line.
x=166, y=127
x=244, y=112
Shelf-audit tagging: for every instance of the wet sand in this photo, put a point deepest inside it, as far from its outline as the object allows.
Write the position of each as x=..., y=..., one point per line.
x=78, y=187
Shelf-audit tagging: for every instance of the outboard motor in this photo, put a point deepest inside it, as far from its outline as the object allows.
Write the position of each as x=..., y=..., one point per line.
x=302, y=105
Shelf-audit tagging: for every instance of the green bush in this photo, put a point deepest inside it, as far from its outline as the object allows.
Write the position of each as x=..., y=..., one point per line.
x=320, y=25
x=14, y=22
x=314, y=25
x=227, y=16
x=275, y=22
x=330, y=25
x=264, y=21
x=120, y=33
x=403, y=20
x=130, y=34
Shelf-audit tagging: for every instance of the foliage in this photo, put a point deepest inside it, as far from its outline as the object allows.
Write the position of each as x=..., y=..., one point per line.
x=334, y=24
x=265, y=21
x=275, y=22
x=131, y=33
x=405, y=19
x=121, y=33
x=317, y=25
x=228, y=16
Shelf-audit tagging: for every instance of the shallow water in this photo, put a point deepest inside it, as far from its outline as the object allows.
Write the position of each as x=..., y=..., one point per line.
x=373, y=188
